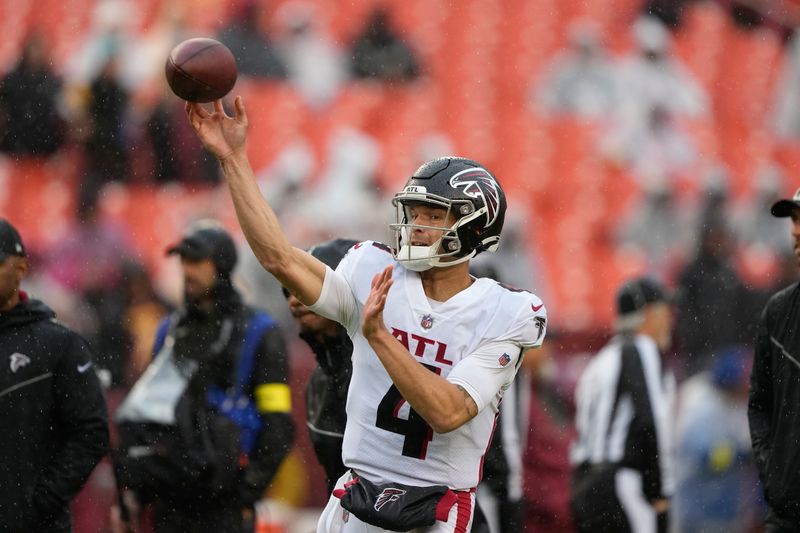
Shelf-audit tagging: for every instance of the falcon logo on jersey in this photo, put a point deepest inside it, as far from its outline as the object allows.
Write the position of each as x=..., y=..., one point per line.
x=504, y=359
x=18, y=360
x=426, y=322
x=540, y=324
x=478, y=183
x=388, y=495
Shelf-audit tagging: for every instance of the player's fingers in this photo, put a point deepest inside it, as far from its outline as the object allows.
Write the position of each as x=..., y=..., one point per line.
x=201, y=111
x=376, y=279
x=240, y=113
x=193, y=109
x=386, y=285
x=194, y=121
x=219, y=109
x=387, y=273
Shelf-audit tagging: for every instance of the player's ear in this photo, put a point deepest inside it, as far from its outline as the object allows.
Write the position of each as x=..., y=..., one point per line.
x=21, y=267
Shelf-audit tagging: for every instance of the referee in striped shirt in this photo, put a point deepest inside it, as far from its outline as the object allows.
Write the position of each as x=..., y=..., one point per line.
x=622, y=458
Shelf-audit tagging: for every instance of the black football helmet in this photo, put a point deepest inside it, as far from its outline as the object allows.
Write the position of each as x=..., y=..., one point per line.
x=468, y=191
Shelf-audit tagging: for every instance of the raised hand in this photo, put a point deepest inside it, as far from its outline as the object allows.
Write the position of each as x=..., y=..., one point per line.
x=372, y=321
x=221, y=134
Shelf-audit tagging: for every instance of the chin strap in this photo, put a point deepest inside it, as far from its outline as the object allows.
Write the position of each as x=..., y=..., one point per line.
x=422, y=258
x=417, y=258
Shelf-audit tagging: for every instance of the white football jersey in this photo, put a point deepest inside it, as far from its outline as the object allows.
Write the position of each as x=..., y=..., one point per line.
x=475, y=340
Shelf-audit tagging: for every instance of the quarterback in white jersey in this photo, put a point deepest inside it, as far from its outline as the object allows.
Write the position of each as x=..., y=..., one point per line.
x=475, y=340
x=434, y=348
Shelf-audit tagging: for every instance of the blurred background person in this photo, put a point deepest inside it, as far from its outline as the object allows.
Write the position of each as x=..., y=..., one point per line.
x=256, y=55
x=233, y=393
x=317, y=64
x=379, y=53
x=652, y=77
x=579, y=81
x=717, y=483
x=326, y=390
x=30, y=122
x=715, y=306
x=54, y=415
x=773, y=410
x=546, y=466
x=623, y=461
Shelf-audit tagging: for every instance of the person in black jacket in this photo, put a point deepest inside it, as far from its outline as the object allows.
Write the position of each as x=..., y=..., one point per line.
x=326, y=391
x=623, y=472
x=774, y=406
x=53, y=422
x=207, y=335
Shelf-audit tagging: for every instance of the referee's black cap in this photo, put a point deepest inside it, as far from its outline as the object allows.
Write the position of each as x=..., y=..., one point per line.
x=636, y=294
x=783, y=208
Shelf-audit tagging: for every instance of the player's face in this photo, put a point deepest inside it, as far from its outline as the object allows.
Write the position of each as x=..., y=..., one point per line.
x=307, y=320
x=427, y=215
x=12, y=272
x=796, y=233
x=199, y=277
x=661, y=317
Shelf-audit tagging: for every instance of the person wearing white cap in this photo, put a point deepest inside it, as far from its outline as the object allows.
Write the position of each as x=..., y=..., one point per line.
x=774, y=405
x=622, y=458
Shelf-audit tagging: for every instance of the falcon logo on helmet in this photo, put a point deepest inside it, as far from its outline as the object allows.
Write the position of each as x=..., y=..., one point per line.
x=478, y=183
x=474, y=205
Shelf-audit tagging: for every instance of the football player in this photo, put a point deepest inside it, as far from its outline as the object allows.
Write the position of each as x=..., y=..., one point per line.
x=434, y=348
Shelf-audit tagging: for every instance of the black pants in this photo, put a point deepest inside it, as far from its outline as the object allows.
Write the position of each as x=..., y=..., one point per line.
x=329, y=454
x=596, y=506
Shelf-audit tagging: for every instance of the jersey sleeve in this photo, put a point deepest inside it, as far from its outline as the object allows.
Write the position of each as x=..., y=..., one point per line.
x=486, y=371
x=529, y=327
x=344, y=289
x=337, y=301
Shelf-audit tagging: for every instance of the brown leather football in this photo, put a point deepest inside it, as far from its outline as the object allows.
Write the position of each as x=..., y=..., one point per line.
x=201, y=70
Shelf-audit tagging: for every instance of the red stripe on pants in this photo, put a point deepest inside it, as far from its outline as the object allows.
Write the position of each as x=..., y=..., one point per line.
x=464, y=511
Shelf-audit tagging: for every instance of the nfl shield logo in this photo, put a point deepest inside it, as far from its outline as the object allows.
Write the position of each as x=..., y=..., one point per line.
x=504, y=359
x=427, y=322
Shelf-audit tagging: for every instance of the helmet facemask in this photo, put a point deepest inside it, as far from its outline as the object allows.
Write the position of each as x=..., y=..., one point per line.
x=444, y=251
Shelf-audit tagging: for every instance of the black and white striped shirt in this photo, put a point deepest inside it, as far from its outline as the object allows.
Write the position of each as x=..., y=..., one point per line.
x=624, y=413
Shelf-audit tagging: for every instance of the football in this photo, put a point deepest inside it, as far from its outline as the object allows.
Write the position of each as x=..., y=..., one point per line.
x=201, y=70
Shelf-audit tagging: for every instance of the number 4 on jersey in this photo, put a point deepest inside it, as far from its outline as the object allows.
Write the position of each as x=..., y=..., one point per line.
x=417, y=432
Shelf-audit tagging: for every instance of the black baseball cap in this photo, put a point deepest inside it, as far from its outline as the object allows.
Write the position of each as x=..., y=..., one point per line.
x=10, y=241
x=332, y=252
x=783, y=208
x=207, y=239
x=636, y=294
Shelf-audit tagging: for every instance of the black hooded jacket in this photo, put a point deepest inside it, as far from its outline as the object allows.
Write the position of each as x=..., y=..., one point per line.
x=326, y=392
x=53, y=421
x=201, y=336
x=774, y=408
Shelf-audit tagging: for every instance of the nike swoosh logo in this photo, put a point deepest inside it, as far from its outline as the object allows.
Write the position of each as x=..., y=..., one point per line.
x=536, y=307
x=84, y=367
